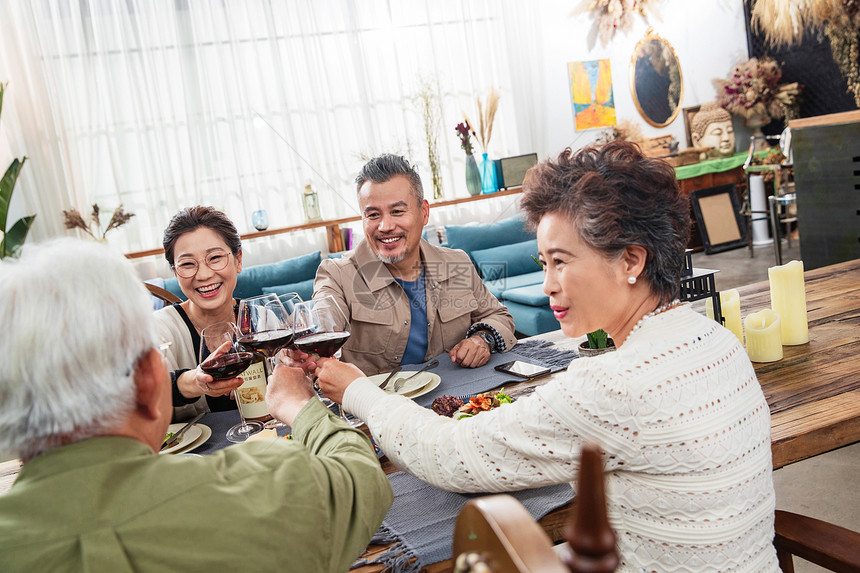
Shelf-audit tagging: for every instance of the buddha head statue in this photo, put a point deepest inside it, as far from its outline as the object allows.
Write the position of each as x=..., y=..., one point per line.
x=712, y=128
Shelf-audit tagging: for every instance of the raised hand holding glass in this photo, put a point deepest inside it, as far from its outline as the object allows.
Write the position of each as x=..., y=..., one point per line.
x=228, y=361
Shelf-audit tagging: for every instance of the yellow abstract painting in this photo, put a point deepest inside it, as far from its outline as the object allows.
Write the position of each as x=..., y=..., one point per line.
x=591, y=94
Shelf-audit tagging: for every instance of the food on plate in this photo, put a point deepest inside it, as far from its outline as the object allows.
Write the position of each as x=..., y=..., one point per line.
x=446, y=405
x=454, y=407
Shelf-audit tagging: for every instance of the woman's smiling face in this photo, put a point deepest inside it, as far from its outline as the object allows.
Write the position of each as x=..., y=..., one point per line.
x=207, y=289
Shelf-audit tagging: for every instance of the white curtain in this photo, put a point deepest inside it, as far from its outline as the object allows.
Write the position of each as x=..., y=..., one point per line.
x=163, y=104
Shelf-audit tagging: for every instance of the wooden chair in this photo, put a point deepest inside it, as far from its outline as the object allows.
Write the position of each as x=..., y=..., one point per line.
x=497, y=533
x=163, y=294
x=825, y=544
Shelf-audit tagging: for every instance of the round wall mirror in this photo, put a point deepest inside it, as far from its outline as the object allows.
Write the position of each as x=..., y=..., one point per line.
x=655, y=80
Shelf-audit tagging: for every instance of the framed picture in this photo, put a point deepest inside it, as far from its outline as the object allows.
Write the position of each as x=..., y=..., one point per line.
x=689, y=112
x=512, y=170
x=718, y=215
x=591, y=94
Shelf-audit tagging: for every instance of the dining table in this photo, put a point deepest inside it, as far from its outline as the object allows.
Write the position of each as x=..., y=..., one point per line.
x=813, y=392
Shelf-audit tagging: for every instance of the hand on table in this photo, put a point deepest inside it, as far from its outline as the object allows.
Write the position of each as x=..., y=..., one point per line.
x=470, y=352
x=333, y=376
x=288, y=391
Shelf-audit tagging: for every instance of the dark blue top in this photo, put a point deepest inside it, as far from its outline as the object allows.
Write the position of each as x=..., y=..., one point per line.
x=416, y=346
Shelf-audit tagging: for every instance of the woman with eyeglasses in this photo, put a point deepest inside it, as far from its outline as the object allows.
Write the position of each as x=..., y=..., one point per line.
x=203, y=248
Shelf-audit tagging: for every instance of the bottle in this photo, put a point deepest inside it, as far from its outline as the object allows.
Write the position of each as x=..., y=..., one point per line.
x=251, y=395
x=311, y=204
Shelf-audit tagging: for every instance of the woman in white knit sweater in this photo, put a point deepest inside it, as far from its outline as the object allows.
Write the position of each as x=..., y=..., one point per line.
x=677, y=408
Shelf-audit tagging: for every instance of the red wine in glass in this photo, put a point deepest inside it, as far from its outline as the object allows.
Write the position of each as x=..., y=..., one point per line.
x=323, y=344
x=267, y=342
x=227, y=365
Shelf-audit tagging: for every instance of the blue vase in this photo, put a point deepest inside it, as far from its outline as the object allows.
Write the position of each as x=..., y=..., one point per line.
x=473, y=176
x=488, y=175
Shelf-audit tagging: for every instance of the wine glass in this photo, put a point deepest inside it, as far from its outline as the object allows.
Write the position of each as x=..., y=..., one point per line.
x=266, y=329
x=265, y=326
x=321, y=329
x=290, y=300
x=228, y=360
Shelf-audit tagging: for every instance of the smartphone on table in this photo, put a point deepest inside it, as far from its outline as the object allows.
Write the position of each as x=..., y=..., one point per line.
x=523, y=369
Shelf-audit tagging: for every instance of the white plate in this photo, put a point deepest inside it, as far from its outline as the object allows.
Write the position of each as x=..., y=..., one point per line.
x=205, y=434
x=190, y=436
x=418, y=386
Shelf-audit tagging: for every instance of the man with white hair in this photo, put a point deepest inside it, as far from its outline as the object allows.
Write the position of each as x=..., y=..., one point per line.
x=85, y=401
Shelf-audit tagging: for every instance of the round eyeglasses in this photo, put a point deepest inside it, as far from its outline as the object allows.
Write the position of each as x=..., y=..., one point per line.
x=186, y=267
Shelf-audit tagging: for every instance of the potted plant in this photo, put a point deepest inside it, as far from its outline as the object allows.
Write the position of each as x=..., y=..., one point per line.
x=14, y=236
x=597, y=343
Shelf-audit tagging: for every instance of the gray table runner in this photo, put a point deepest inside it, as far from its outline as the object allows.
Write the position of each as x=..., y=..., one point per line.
x=459, y=381
x=420, y=523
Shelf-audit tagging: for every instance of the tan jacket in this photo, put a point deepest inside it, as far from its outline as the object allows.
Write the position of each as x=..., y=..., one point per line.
x=378, y=308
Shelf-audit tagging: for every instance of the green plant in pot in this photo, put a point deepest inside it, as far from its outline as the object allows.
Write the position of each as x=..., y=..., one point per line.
x=14, y=236
x=597, y=343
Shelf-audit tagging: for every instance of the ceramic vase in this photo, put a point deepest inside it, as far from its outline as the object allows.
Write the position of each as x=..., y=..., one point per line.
x=260, y=219
x=488, y=175
x=756, y=122
x=585, y=350
x=473, y=176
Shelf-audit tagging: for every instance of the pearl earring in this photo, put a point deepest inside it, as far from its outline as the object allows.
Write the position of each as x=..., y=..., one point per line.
x=631, y=280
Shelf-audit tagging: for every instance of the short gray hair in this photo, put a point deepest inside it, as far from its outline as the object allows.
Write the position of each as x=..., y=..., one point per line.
x=617, y=197
x=77, y=319
x=383, y=167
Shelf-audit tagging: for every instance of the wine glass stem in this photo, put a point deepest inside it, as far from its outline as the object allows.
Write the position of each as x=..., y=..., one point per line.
x=271, y=362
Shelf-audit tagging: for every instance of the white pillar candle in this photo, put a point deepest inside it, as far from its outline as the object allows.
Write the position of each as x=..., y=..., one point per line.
x=764, y=339
x=730, y=305
x=788, y=300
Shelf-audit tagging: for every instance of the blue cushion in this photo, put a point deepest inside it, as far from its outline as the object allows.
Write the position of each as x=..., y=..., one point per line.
x=252, y=279
x=497, y=287
x=506, y=260
x=172, y=285
x=476, y=237
x=304, y=289
x=532, y=295
x=531, y=320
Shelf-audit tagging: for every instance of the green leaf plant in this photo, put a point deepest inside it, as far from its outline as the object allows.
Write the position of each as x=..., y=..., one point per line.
x=14, y=236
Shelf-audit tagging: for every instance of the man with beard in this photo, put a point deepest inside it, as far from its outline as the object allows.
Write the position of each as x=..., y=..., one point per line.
x=407, y=300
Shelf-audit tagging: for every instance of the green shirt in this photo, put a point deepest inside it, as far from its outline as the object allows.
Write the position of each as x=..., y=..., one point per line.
x=110, y=504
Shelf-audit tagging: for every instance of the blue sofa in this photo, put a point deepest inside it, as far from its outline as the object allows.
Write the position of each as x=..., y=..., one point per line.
x=502, y=252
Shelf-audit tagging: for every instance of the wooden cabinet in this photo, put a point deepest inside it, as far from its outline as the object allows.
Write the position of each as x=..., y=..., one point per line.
x=827, y=181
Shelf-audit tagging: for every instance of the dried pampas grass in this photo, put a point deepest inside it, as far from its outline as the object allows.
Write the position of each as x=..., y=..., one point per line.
x=784, y=21
x=486, y=117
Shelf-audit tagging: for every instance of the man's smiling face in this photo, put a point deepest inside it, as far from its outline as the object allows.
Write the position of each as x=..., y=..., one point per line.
x=393, y=219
